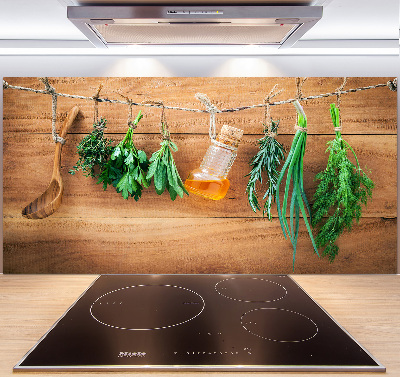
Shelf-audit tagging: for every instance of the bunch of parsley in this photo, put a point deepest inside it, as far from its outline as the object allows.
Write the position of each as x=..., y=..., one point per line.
x=342, y=190
x=127, y=167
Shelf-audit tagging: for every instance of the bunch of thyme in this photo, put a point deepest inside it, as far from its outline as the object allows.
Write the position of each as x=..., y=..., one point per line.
x=94, y=151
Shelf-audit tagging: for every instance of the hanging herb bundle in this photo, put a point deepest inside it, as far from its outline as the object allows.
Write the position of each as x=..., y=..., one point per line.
x=127, y=167
x=163, y=169
x=94, y=151
x=342, y=190
x=293, y=168
x=268, y=158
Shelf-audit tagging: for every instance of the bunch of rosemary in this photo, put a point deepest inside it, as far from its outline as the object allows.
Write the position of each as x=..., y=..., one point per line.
x=127, y=167
x=342, y=189
x=268, y=158
x=94, y=151
x=163, y=169
x=293, y=168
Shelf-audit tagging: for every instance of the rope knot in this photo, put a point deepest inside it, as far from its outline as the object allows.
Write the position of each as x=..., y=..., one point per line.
x=59, y=139
x=212, y=110
x=5, y=84
x=51, y=90
x=298, y=128
x=392, y=85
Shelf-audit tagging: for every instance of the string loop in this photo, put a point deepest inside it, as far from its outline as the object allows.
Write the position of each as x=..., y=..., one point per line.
x=212, y=110
x=267, y=113
x=130, y=103
x=50, y=90
x=164, y=129
x=165, y=134
x=299, y=85
x=338, y=97
x=95, y=98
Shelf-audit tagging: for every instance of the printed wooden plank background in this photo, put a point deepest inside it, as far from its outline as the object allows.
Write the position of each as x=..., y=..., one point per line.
x=96, y=231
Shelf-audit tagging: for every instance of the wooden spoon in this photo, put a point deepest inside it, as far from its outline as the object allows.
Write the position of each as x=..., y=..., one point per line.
x=47, y=203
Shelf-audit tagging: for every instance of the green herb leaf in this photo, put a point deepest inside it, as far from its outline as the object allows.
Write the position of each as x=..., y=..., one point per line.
x=124, y=186
x=129, y=158
x=116, y=153
x=163, y=170
x=142, y=156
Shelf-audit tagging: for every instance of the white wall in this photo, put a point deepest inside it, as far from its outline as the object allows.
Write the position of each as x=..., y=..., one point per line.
x=289, y=65
x=187, y=66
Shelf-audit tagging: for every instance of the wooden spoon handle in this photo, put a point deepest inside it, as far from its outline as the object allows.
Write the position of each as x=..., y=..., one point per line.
x=68, y=121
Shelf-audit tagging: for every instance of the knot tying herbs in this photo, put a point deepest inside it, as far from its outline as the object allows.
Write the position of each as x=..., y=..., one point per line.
x=392, y=85
x=299, y=128
x=212, y=110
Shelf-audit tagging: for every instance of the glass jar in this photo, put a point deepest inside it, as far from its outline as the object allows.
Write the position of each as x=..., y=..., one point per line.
x=209, y=180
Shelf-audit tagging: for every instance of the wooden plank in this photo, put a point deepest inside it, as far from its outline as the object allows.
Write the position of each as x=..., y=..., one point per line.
x=28, y=162
x=176, y=245
x=100, y=227
x=367, y=112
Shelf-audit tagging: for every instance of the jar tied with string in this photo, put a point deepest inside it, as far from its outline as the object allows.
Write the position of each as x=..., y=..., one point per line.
x=210, y=179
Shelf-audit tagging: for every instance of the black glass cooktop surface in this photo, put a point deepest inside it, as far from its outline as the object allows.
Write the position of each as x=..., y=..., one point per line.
x=197, y=322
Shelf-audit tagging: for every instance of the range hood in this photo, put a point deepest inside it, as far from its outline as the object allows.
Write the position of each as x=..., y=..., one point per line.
x=114, y=26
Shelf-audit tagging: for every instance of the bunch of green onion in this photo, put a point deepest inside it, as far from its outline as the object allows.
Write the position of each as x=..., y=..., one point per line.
x=293, y=169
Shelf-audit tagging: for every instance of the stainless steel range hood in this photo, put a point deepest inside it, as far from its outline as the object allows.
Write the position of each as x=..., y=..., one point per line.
x=276, y=26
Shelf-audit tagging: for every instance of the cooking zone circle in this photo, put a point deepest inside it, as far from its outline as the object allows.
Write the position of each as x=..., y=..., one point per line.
x=147, y=307
x=279, y=325
x=251, y=289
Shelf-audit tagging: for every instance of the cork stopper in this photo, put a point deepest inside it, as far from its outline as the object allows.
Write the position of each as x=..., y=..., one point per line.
x=230, y=135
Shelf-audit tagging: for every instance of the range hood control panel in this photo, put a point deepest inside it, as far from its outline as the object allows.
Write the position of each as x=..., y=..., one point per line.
x=196, y=12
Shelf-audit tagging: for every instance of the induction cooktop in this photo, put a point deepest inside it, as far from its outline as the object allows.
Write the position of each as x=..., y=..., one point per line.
x=197, y=322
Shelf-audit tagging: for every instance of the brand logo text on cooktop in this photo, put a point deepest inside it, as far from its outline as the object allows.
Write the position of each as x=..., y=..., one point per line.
x=131, y=354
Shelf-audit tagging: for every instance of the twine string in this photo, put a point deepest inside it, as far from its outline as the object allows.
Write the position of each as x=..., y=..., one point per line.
x=130, y=104
x=392, y=84
x=296, y=103
x=299, y=128
x=299, y=86
x=164, y=129
x=50, y=90
x=338, y=100
x=95, y=98
x=212, y=110
x=267, y=112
